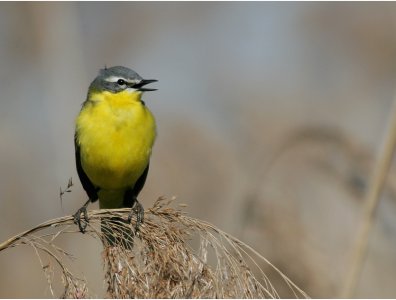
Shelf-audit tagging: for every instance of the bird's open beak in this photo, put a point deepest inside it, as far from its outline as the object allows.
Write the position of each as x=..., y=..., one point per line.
x=139, y=86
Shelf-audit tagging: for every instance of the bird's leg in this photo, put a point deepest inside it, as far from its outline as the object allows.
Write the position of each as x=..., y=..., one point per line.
x=139, y=211
x=77, y=217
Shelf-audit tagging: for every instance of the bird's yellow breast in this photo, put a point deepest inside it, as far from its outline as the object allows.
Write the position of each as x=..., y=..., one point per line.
x=115, y=133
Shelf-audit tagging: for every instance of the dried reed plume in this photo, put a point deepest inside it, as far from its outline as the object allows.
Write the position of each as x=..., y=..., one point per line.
x=163, y=262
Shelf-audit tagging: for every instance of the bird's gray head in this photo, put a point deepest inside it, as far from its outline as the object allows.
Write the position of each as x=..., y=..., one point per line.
x=119, y=78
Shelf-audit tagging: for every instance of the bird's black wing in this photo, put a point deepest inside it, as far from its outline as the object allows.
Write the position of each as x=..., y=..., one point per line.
x=88, y=186
x=141, y=181
x=131, y=194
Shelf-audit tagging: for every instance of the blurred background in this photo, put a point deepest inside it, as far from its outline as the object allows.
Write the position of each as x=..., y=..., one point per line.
x=269, y=118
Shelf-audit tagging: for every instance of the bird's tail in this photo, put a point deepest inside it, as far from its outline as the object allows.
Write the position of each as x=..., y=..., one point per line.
x=116, y=231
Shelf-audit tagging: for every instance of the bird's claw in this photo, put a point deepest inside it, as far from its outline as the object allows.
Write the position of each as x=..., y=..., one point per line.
x=77, y=218
x=139, y=211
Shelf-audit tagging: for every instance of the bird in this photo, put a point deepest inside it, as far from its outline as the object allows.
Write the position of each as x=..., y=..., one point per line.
x=114, y=137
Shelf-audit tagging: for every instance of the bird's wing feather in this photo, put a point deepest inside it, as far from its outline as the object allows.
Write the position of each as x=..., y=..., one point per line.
x=131, y=194
x=86, y=183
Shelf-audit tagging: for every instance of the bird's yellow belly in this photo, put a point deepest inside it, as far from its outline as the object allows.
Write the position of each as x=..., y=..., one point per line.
x=115, y=145
x=117, y=164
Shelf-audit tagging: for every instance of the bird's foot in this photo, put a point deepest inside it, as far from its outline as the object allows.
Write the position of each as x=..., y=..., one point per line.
x=139, y=211
x=82, y=224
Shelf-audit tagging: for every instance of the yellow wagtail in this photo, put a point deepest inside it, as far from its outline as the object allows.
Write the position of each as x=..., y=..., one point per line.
x=115, y=133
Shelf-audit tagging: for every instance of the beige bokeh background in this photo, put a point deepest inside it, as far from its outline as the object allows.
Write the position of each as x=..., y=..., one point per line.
x=269, y=116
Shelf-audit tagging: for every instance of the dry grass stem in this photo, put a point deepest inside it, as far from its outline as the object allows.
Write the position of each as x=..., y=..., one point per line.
x=371, y=203
x=173, y=256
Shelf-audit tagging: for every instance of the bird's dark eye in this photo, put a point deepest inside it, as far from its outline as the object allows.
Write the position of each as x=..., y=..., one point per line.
x=121, y=81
